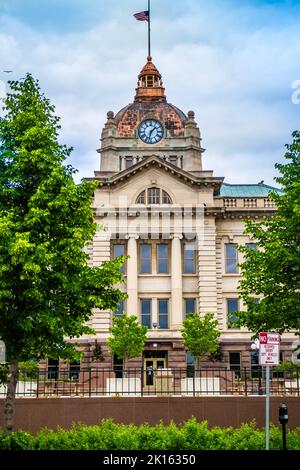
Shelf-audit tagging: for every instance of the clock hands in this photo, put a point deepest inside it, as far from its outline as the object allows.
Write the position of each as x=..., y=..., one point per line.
x=151, y=132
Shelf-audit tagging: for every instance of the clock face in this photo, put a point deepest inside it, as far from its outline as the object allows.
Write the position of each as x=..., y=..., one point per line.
x=151, y=131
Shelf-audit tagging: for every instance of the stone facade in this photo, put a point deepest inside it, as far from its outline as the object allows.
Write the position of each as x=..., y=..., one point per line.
x=198, y=209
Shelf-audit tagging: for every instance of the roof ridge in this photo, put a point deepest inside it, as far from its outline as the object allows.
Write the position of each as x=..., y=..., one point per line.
x=249, y=184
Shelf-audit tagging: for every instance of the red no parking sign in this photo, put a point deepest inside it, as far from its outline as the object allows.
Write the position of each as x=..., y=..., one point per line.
x=269, y=349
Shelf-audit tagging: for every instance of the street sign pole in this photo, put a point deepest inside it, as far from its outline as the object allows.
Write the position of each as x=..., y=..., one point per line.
x=268, y=356
x=267, y=407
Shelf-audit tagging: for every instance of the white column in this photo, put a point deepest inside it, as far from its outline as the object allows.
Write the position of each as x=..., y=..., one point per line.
x=208, y=268
x=122, y=163
x=132, y=276
x=176, y=282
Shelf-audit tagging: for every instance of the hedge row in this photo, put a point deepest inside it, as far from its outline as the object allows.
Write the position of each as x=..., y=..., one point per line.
x=110, y=436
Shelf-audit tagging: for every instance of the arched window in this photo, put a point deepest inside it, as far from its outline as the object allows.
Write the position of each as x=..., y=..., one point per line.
x=141, y=198
x=154, y=195
x=166, y=198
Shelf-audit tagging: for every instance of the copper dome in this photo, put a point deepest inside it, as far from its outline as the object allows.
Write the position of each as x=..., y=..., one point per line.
x=150, y=103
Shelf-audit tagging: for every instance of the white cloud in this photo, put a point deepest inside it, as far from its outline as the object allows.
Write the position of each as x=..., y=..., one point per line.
x=233, y=67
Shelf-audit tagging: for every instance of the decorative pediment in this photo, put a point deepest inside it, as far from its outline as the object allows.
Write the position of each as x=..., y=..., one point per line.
x=161, y=165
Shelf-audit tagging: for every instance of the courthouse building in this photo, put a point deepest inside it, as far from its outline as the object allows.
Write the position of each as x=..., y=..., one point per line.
x=178, y=223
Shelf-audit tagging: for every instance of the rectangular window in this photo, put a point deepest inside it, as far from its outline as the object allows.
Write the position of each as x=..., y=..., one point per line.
x=232, y=307
x=189, y=258
x=189, y=307
x=162, y=254
x=118, y=367
x=146, y=312
x=235, y=361
x=128, y=162
x=163, y=313
x=255, y=367
x=145, y=259
x=53, y=368
x=118, y=313
x=153, y=196
x=231, y=258
x=150, y=80
x=173, y=160
x=74, y=370
x=190, y=362
x=119, y=250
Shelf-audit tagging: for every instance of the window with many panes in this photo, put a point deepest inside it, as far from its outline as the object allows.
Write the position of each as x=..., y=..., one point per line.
x=232, y=308
x=154, y=258
x=235, y=361
x=153, y=196
x=189, y=258
x=162, y=258
x=166, y=198
x=145, y=258
x=146, y=312
x=231, y=258
x=163, y=313
x=190, y=306
x=141, y=198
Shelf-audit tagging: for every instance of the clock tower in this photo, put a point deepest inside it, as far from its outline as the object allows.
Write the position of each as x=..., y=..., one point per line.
x=150, y=126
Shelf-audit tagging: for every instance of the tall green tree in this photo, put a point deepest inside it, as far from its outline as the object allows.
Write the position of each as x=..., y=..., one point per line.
x=127, y=339
x=47, y=289
x=272, y=273
x=200, y=335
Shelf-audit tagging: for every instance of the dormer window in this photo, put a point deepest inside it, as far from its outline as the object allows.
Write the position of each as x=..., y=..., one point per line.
x=173, y=160
x=154, y=196
x=128, y=162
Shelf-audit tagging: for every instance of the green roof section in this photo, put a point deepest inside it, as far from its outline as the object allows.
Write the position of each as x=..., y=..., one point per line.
x=247, y=190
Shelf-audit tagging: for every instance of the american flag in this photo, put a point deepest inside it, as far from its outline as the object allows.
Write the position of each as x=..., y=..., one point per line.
x=142, y=16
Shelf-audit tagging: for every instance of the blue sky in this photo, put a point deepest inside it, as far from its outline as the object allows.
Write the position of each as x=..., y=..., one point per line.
x=232, y=62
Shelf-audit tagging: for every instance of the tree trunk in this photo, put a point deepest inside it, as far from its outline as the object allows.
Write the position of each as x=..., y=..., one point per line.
x=125, y=360
x=9, y=406
x=198, y=361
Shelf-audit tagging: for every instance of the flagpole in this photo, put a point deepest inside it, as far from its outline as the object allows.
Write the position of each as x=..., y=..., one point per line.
x=149, y=30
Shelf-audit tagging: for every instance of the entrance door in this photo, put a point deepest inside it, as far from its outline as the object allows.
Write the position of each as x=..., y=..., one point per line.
x=152, y=366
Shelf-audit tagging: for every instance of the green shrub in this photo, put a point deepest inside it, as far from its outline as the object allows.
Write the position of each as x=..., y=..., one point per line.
x=191, y=435
x=19, y=440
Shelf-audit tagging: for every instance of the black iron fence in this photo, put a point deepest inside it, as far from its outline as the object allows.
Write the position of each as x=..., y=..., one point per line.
x=91, y=382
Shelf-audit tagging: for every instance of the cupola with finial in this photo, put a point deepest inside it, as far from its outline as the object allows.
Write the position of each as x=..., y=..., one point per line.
x=150, y=85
